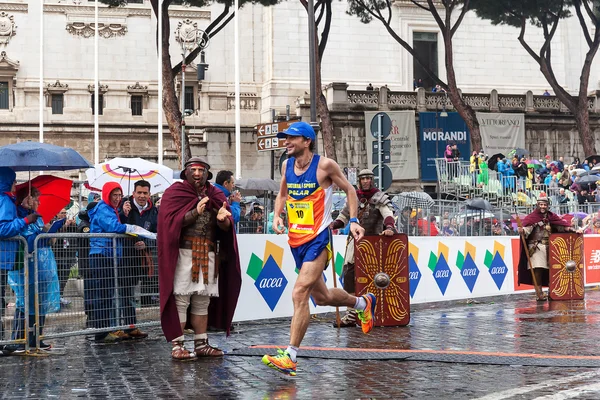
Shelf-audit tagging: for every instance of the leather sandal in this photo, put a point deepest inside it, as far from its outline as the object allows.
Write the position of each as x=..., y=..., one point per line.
x=180, y=353
x=203, y=349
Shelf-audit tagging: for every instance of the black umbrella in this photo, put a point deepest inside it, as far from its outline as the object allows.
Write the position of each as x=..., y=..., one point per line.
x=520, y=153
x=494, y=160
x=479, y=204
x=592, y=157
x=588, y=179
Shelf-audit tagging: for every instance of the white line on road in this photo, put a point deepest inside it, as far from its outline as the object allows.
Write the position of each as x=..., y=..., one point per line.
x=506, y=394
x=571, y=393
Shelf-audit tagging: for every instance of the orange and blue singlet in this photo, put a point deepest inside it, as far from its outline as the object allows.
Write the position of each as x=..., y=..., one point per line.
x=309, y=209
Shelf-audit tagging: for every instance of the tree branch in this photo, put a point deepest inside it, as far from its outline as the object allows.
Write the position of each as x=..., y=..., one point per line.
x=326, y=29
x=321, y=12
x=582, y=23
x=590, y=12
x=526, y=45
x=436, y=16
x=419, y=5
x=218, y=24
x=389, y=7
x=460, y=18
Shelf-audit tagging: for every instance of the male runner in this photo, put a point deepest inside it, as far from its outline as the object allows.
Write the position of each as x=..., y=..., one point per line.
x=306, y=190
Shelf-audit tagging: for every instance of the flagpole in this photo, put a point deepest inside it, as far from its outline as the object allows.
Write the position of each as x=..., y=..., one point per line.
x=160, y=83
x=41, y=116
x=236, y=52
x=96, y=88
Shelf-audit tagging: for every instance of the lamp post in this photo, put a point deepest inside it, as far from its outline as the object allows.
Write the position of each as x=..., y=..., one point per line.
x=189, y=38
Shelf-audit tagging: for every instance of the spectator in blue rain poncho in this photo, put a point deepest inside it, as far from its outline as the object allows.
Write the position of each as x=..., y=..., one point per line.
x=48, y=289
x=10, y=225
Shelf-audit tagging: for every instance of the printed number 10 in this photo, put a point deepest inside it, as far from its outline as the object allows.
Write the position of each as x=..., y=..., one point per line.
x=300, y=213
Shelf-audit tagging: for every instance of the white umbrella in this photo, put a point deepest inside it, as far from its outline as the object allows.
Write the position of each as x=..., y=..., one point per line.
x=579, y=171
x=127, y=171
x=477, y=214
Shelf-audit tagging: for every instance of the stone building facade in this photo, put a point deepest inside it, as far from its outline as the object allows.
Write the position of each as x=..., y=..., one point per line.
x=274, y=74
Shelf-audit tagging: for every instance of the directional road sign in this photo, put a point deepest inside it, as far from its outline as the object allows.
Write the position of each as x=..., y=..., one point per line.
x=273, y=128
x=266, y=139
x=269, y=143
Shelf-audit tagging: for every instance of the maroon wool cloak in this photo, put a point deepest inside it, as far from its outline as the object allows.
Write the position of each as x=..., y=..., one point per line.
x=177, y=200
x=524, y=275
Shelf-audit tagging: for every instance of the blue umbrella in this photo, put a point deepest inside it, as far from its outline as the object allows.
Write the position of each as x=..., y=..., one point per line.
x=35, y=156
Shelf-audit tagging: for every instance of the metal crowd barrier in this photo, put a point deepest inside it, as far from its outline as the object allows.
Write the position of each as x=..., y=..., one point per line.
x=97, y=293
x=15, y=271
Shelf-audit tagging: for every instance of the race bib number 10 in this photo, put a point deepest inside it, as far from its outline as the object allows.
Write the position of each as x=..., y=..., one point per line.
x=301, y=216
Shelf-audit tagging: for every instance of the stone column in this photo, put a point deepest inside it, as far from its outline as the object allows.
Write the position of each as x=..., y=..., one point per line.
x=529, y=102
x=494, y=103
x=383, y=98
x=336, y=94
x=421, y=105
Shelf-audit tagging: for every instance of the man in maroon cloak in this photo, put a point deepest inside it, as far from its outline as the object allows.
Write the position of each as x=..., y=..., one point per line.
x=195, y=223
x=537, y=227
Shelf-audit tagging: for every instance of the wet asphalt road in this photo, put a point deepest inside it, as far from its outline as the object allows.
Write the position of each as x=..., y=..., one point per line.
x=143, y=369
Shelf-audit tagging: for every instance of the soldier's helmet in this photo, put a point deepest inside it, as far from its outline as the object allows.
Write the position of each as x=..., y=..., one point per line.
x=543, y=198
x=365, y=173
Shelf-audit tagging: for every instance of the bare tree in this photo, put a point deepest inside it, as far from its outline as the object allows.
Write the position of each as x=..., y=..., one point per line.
x=546, y=15
x=169, y=72
x=442, y=12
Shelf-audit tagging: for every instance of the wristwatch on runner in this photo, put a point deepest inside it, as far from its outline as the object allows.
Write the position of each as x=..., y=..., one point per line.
x=355, y=220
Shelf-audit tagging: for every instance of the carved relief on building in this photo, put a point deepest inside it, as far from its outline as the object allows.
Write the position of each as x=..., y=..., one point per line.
x=189, y=35
x=8, y=65
x=102, y=88
x=248, y=101
x=8, y=29
x=57, y=87
x=105, y=30
x=137, y=89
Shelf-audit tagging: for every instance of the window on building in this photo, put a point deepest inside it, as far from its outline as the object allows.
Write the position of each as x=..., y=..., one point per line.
x=4, y=96
x=426, y=47
x=100, y=104
x=57, y=103
x=188, y=102
x=136, y=105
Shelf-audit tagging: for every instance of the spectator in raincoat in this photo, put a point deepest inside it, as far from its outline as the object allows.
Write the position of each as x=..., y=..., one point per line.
x=484, y=176
x=48, y=288
x=10, y=225
x=104, y=218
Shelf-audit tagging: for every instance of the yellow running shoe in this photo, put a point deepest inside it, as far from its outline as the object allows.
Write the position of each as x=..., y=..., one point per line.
x=367, y=316
x=281, y=362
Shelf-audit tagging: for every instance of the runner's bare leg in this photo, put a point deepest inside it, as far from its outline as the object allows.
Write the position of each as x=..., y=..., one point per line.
x=310, y=281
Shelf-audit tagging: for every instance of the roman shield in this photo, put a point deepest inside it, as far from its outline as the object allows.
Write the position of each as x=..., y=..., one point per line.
x=381, y=268
x=565, y=259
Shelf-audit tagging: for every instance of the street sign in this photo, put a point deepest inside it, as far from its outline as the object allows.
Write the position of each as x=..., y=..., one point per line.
x=385, y=144
x=269, y=143
x=386, y=125
x=386, y=177
x=385, y=158
x=273, y=128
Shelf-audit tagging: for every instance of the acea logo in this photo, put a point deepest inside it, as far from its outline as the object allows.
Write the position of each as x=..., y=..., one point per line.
x=495, y=264
x=414, y=274
x=267, y=274
x=439, y=266
x=466, y=264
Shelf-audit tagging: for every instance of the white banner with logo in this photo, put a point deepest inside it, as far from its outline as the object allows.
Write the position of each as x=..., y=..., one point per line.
x=440, y=269
x=501, y=132
x=401, y=131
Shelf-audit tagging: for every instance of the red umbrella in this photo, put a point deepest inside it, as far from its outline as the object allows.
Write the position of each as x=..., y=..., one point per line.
x=55, y=194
